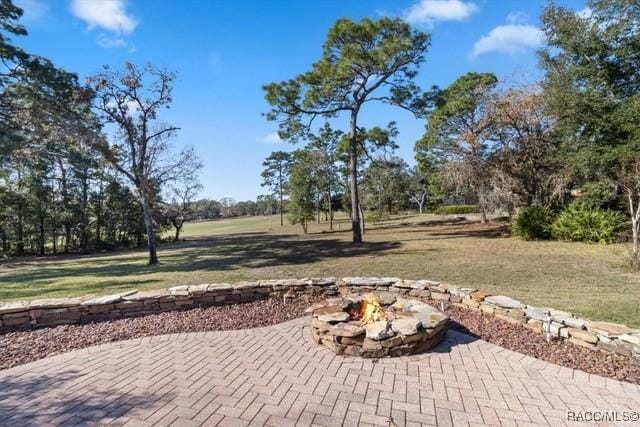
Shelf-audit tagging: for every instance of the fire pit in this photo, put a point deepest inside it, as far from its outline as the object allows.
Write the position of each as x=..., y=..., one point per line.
x=376, y=325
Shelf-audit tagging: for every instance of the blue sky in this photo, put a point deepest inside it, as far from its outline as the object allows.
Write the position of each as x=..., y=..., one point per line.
x=224, y=51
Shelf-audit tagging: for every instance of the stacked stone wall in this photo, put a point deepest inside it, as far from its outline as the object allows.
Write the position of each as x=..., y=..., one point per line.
x=555, y=324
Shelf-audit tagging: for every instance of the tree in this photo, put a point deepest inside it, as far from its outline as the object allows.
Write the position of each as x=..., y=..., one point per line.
x=591, y=85
x=459, y=132
x=302, y=185
x=529, y=154
x=417, y=188
x=227, y=204
x=276, y=174
x=131, y=99
x=182, y=194
x=361, y=62
x=387, y=182
x=325, y=145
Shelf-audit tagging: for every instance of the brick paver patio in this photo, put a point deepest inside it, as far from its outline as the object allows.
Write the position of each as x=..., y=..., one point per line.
x=277, y=376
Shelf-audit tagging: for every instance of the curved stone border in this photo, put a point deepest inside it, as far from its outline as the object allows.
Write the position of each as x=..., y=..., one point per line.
x=554, y=323
x=411, y=327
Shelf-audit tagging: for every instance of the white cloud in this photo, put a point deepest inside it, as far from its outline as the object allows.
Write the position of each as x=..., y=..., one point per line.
x=109, y=43
x=110, y=15
x=427, y=12
x=271, y=138
x=510, y=38
x=33, y=10
x=517, y=17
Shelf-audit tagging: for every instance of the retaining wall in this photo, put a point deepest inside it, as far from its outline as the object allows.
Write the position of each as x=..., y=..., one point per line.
x=554, y=324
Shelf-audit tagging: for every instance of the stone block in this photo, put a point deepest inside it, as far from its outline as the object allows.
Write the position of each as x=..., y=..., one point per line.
x=16, y=320
x=13, y=307
x=554, y=329
x=487, y=309
x=535, y=325
x=608, y=329
x=439, y=296
x=632, y=338
x=469, y=302
x=584, y=336
x=537, y=313
x=504, y=301
x=369, y=344
x=378, y=330
x=478, y=296
x=198, y=289
x=391, y=342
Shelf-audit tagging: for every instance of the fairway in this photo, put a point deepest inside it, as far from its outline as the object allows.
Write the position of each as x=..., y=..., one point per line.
x=584, y=278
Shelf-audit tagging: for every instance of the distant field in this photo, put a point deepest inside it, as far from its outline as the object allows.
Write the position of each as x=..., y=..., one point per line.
x=235, y=225
x=588, y=279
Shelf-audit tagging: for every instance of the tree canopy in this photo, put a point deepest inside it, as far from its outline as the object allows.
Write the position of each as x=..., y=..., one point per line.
x=361, y=62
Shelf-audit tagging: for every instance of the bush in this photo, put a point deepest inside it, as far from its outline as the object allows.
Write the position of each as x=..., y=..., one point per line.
x=598, y=194
x=577, y=222
x=457, y=209
x=532, y=223
x=373, y=216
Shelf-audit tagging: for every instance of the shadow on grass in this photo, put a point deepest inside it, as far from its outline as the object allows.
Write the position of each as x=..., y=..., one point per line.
x=70, y=400
x=220, y=253
x=495, y=232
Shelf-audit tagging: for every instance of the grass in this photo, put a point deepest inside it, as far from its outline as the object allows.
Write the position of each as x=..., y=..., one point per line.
x=587, y=279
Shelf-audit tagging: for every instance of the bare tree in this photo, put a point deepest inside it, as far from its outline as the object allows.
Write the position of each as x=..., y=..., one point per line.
x=181, y=198
x=629, y=180
x=417, y=190
x=131, y=99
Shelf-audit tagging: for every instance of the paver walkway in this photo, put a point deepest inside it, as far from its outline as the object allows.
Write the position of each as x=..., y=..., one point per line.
x=278, y=376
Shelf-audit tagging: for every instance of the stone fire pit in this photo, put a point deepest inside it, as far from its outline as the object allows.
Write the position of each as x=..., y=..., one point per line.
x=376, y=325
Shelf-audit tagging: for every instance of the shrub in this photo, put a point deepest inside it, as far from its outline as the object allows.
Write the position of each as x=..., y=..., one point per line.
x=457, y=209
x=598, y=194
x=577, y=222
x=373, y=216
x=531, y=223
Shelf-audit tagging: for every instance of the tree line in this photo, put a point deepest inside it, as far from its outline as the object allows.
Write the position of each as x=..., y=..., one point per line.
x=88, y=165
x=567, y=145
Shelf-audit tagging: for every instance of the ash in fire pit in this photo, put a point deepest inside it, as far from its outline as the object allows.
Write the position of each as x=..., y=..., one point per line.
x=376, y=325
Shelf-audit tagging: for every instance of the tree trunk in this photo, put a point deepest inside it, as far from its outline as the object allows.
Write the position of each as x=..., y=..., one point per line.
x=330, y=208
x=84, y=235
x=281, y=191
x=147, y=215
x=65, y=204
x=99, y=217
x=634, y=231
x=361, y=215
x=41, y=249
x=483, y=207
x=20, y=222
x=353, y=173
x=177, y=224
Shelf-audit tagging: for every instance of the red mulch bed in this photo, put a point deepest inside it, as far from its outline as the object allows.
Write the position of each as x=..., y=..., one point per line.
x=519, y=338
x=17, y=348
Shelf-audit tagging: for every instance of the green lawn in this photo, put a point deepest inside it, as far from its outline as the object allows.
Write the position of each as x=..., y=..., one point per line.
x=590, y=280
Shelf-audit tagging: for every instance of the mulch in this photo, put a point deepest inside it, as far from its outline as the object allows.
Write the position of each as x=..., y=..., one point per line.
x=17, y=348
x=523, y=340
